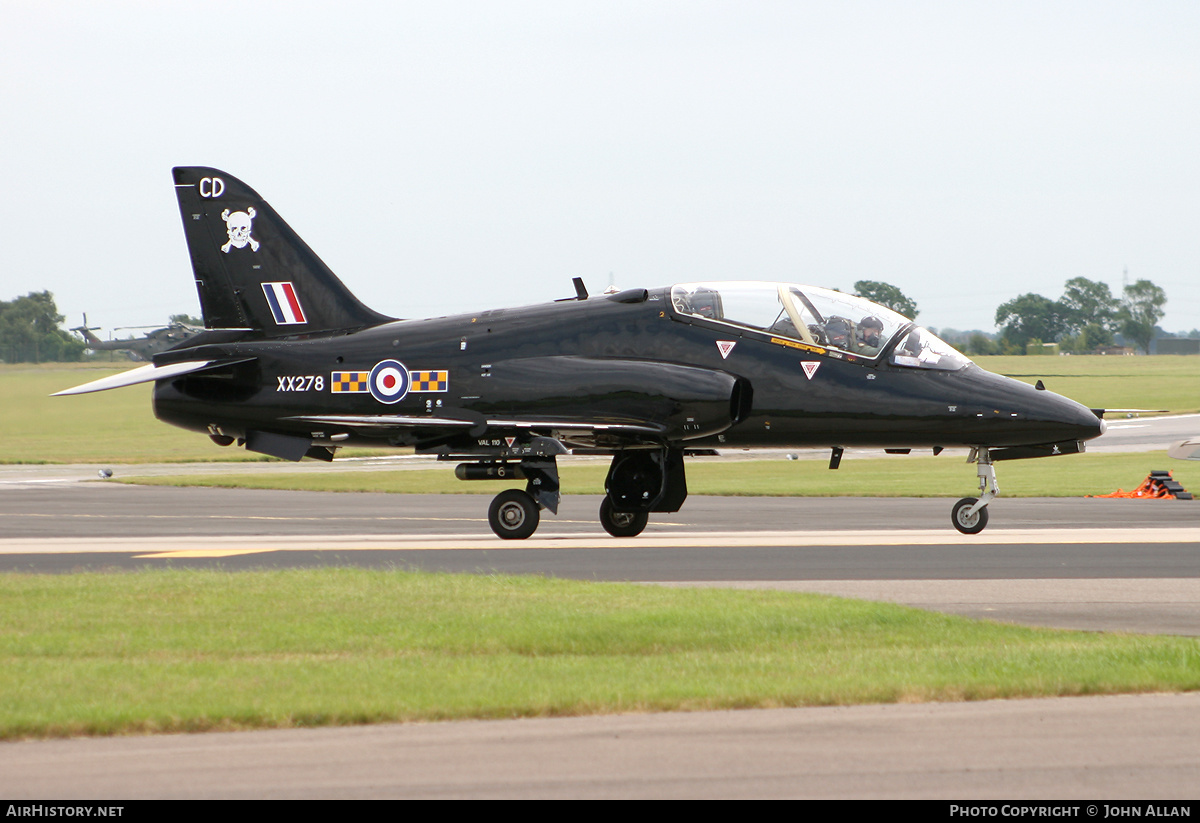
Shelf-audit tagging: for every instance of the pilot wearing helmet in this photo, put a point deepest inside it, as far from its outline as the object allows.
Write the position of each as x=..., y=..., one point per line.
x=870, y=335
x=838, y=333
x=707, y=303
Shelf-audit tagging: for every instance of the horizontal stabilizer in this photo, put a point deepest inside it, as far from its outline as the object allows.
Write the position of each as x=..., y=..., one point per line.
x=147, y=374
x=1185, y=449
x=1129, y=412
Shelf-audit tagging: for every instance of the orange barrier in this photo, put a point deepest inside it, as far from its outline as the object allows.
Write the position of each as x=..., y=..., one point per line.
x=1158, y=485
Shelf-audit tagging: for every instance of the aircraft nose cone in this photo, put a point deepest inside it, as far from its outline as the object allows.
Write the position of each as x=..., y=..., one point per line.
x=1023, y=415
x=1090, y=425
x=1064, y=419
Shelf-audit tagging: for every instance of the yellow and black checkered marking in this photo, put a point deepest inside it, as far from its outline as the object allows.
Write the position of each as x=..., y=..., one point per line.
x=354, y=382
x=429, y=381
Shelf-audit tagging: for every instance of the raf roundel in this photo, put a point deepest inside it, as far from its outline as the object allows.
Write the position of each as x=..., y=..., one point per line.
x=389, y=381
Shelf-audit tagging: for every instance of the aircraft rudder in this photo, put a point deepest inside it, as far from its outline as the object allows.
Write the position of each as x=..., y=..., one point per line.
x=252, y=270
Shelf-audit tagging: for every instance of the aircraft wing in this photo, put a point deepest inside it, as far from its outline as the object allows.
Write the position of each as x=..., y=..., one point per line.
x=148, y=374
x=1128, y=412
x=576, y=431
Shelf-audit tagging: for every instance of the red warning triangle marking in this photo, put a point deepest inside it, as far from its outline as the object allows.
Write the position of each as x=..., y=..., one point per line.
x=510, y=441
x=810, y=367
x=725, y=347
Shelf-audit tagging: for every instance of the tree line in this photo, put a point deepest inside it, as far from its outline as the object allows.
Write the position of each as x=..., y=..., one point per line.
x=1087, y=317
x=30, y=331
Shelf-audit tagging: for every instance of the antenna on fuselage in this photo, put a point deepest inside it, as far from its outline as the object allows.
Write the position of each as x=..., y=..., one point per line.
x=580, y=291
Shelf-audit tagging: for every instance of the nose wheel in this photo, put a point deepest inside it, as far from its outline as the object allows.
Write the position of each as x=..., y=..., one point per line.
x=968, y=519
x=513, y=515
x=970, y=515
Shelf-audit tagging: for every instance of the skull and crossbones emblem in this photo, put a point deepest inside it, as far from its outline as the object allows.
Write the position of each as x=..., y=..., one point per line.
x=237, y=224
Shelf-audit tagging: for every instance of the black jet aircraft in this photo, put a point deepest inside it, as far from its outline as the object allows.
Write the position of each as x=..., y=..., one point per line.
x=293, y=365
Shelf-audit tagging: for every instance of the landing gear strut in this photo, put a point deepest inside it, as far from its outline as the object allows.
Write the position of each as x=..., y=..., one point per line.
x=970, y=515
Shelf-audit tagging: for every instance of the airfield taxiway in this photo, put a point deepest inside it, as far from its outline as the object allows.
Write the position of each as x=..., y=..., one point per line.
x=1093, y=564
x=1114, y=565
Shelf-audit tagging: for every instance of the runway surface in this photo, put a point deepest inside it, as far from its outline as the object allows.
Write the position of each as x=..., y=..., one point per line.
x=1090, y=564
x=1092, y=749
x=1093, y=564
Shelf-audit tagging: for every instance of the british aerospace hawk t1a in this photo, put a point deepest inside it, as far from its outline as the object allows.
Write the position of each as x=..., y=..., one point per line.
x=292, y=364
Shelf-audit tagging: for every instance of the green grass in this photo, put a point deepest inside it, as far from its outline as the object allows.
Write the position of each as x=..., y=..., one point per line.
x=892, y=476
x=1162, y=382
x=112, y=427
x=192, y=651
x=115, y=426
x=119, y=426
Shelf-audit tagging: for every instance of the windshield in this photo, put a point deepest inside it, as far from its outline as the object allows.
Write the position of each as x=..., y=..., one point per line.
x=922, y=349
x=830, y=320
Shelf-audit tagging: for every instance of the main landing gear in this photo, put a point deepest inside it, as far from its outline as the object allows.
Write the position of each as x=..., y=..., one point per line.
x=639, y=481
x=513, y=515
x=970, y=515
x=621, y=524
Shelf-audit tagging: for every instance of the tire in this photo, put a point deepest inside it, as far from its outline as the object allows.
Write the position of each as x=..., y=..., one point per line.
x=621, y=524
x=968, y=524
x=513, y=515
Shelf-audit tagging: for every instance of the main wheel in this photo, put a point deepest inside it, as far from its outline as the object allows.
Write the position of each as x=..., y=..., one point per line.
x=622, y=524
x=513, y=515
x=968, y=523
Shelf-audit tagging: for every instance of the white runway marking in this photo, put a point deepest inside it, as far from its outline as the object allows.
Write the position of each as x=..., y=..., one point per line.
x=174, y=546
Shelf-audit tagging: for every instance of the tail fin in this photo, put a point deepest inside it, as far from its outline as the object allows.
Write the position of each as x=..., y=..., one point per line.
x=252, y=271
x=88, y=337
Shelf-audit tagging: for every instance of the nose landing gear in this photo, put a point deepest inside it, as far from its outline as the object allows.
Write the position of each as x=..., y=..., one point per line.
x=970, y=515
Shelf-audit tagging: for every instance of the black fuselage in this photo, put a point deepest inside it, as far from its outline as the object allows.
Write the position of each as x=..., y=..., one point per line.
x=623, y=362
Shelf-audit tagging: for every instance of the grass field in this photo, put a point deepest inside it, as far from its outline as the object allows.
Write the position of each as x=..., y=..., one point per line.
x=115, y=426
x=1163, y=382
x=196, y=651
x=111, y=427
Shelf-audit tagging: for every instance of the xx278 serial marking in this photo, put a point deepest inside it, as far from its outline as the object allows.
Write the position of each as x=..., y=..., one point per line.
x=301, y=382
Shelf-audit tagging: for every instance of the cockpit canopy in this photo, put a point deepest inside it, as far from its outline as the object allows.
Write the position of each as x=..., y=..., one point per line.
x=818, y=317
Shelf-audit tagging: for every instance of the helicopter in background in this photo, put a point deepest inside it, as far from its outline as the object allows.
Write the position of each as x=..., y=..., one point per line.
x=140, y=349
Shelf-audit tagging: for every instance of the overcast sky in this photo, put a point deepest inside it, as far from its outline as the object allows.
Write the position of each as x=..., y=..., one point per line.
x=453, y=156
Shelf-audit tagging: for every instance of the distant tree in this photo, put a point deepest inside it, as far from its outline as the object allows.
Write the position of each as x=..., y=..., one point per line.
x=1141, y=309
x=186, y=319
x=888, y=295
x=1030, y=317
x=29, y=331
x=1093, y=336
x=1087, y=303
x=980, y=344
